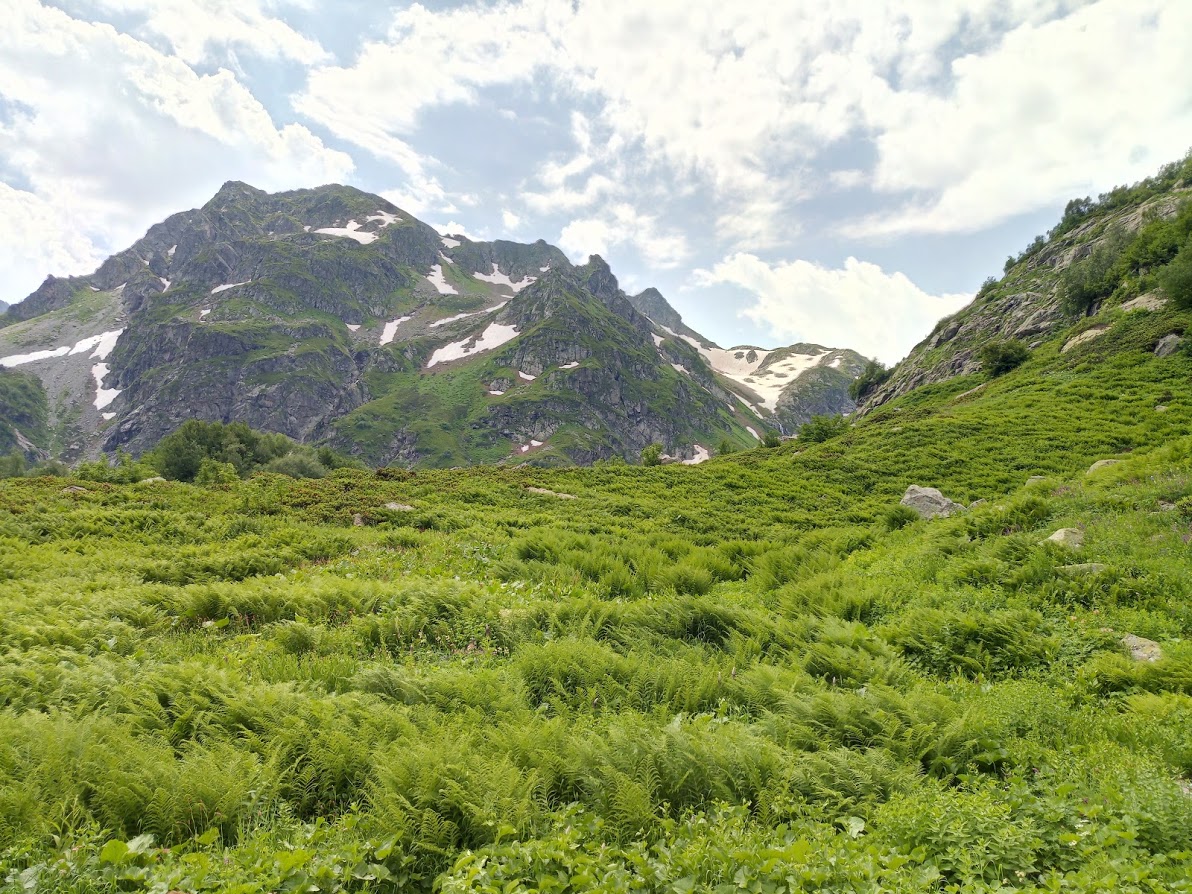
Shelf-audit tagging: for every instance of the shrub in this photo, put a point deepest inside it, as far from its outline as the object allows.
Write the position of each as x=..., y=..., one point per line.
x=652, y=455
x=871, y=377
x=771, y=439
x=822, y=428
x=1176, y=278
x=999, y=357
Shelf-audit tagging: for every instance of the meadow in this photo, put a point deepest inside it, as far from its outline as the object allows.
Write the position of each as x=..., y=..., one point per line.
x=758, y=674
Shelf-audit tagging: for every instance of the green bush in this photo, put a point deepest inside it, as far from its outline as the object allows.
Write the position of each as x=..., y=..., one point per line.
x=1176, y=278
x=652, y=455
x=1001, y=356
x=822, y=428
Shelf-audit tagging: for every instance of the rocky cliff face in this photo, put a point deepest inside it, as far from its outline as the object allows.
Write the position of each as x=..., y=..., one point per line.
x=332, y=316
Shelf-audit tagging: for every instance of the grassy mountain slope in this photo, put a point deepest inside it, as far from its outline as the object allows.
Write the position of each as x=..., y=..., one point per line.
x=757, y=673
x=1102, y=254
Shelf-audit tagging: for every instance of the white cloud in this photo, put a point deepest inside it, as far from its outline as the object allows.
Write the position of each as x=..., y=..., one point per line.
x=510, y=220
x=1056, y=109
x=857, y=306
x=194, y=29
x=39, y=238
x=977, y=109
x=109, y=133
x=621, y=224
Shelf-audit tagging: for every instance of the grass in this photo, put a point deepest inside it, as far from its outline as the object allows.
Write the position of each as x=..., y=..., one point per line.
x=749, y=673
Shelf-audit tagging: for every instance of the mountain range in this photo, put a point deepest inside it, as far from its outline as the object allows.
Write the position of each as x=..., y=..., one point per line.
x=334, y=317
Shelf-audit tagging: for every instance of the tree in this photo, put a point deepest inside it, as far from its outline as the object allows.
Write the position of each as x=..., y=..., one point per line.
x=871, y=377
x=999, y=357
x=822, y=428
x=652, y=455
x=771, y=438
x=1176, y=278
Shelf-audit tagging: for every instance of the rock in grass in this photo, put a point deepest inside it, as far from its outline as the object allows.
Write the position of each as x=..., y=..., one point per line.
x=1035, y=479
x=1073, y=538
x=1082, y=569
x=399, y=507
x=1167, y=345
x=929, y=502
x=550, y=493
x=74, y=489
x=1102, y=464
x=1142, y=649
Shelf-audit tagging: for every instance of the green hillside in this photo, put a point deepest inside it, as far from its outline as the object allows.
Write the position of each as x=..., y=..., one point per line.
x=756, y=674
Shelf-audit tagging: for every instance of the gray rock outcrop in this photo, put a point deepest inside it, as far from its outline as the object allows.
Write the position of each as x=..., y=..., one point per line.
x=929, y=502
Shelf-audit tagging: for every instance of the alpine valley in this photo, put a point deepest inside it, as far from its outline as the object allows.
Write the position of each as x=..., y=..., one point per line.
x=333, y=317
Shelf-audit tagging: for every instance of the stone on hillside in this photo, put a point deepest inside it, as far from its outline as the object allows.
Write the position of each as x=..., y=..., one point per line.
x=399, y=507
x=929, y=502
x=1083, y=568
x=1084, y=337
x=74, y=489
x=1035, y=479
x=1149, y=301
x=1142, y=649
x=550, y=493
x=1073, y=538
x=1165, y=506
x=1102, y=464
x=154, y=480
x=1160, y=409
x=1167, y=345
x=358, y=520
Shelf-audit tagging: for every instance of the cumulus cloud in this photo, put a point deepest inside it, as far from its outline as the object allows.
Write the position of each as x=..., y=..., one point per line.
x=858, y=305
x=108, y=133
x=617, y=225
x=196, y=29
x=977, y=109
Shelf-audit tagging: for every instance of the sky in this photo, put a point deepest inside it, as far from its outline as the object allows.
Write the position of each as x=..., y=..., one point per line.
x=843, y=173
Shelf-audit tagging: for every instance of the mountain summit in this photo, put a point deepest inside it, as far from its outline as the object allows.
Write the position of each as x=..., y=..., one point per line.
x=332, y=316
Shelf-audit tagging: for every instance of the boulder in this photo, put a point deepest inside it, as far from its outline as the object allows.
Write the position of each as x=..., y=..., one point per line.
x=1102, y=464
x=1149, y=301
x=1142, y=649
x=1082, y=569
x=399, y=507
x=550, y=493
x=74, y=489
x=1167, y=345
x=156, y=479
x=1073, y=538
x=929, y=502
x=1083, y=338
x=1035, y=479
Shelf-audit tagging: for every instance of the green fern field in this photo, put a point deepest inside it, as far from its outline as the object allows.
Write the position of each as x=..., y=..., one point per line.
x=758, y=674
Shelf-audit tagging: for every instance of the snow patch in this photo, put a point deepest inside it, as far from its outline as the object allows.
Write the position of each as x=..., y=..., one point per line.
x=350, y=230
x=496, y=393
x=435, y=277
x=103, y=396
x=658, y=340
x=203, y=313
x=545, y=269
x=383, y=216
x=494, y=336
x=700, y=455
x=94, y=288
x=445, y=258
x=752, y=432
x=679, y=368
x=230, y=285
x=497, y=278
x=170, y=253
x=390, y=330
x=534, y=443
x=355, y=327
x=526, y=377
x=745, y=365
x=100, y=345
x=165, y=283
x=464, y=316
x=572, y=365
x=108, y=417
x=449, y=243
x=18, y=359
